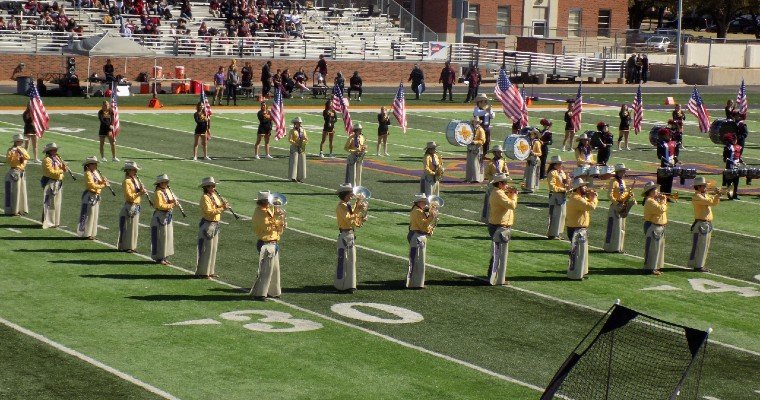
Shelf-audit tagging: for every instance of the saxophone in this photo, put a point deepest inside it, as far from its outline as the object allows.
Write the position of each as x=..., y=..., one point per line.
x=301, y=141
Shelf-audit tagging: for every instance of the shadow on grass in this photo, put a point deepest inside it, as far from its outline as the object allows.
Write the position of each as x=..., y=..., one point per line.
x=458, y=281
x=416, y=181
x=254, y=180
x=324, y=289
x=470, y=191
x=391, y=210
x=538, y=278
x=65, y=250
x=139, y=276
x=461, y=224
x=50, y=238
x=18, y=226
x=395, y=284
x=485, y=237
x=540, y=251
x=309, y=194
x=185, y=297
x=102, y=262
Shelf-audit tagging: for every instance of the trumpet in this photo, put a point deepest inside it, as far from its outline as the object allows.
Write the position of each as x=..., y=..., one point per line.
x=362, y=195
x=434, y=203
x=718, y=191
x=672, y=196
x=278, y=201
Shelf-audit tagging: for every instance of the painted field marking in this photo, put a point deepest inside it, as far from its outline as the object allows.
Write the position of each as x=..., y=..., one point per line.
x=330, y=216
x=205, y=321
x=295, y=218
x=102, y=227
x=469, y=211
x=180, y=222
x=224, y=222
x=13, y=230
x=143, y=225
x=400, y=213
x=87, y=359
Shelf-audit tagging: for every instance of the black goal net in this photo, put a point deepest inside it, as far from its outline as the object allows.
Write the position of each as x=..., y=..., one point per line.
x=629, y=355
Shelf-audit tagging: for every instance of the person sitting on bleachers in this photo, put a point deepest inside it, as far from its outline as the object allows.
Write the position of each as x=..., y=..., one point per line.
x=214, y=8
x=186, y=11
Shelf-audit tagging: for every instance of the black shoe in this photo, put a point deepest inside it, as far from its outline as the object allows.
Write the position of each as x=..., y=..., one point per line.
x=736, y=197
x=260, y=298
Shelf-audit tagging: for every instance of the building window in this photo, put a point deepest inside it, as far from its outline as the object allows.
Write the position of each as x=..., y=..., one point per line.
x=503, y=19
x=539, y=29
x=472, y=23
x=605, y=20
x=574, y=23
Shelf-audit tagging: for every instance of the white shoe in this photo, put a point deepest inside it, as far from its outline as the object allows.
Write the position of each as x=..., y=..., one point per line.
x=331, y=155
x=360, y=98
x=104, y=159
x=269, y=156
x=37, y=161
x=627, y=148
x=195, y=158
x=257, y=157
x=116, y=159
x=207, y=158
x=387, y=154
x=321, y=155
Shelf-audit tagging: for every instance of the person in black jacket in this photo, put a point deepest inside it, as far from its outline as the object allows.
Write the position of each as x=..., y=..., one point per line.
x=383, y=122
x=266, y=79
x=202, y=132
x=108, y=71
x=106, y=130
x=328, y=130
x=355, y=85
x=625, y=126
x=340, y=82
x=264, y=131
x=546, y=140
x=232, y=82
x=417, y=77
x=604, y=143
x=569, y=131
x=732, y=155
x=448, y=77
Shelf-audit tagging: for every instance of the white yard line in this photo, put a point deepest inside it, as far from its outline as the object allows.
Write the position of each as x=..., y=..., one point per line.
x=331, y=216
x=102, y=227
x=295, y=218
x=469, y=211
x=88, y=359
x=13, y=230
x=180, y=222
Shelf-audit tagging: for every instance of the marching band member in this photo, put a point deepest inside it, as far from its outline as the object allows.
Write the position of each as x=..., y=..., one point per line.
x=667, y=152
x=569, y=130
x=620, y=195
x=90, y=211
x=530, y=176
x=15, y=180
x=625, y=126
x=583, y=155
x=264, y=131
x=497, y=165
x=212, y=207
x=501, y=216
x=161, y=227
x=558, y=181
x=701, y=229
x=356, y=146
x=349, y=218
x=546, y=140
x=268, y=225
x=29, y=133
x=106, y=131
x=297, y=162
x=474, y=167
x=604, y=143
x=432, y=170
x=421, y=225
x=328, y=130
x=678, y=117
x=129, y=217
x=579, y=205
x=53, y=169
x=201, y=132
x=655, y=219
x=383, y=122
x=485, y=114
x=732, y=156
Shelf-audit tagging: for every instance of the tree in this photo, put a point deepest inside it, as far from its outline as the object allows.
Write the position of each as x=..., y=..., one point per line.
x=640, y=9
x=723, y=11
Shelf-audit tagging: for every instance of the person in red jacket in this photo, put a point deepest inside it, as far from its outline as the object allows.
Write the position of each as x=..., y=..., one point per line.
x=448, y=76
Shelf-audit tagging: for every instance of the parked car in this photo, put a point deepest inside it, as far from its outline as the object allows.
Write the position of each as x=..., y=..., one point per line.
x=661, y=43
x=693, y=22
x=743, y=24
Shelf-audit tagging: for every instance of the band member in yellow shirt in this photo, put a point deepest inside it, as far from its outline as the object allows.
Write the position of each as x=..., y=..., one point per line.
x=701, y=229
x=53, y=169
x=349, y=218
x=268, y=225
x=15, y=180
x=90, y=210
x=497, y=165
x=356, y=147
x=297, y=161
x=161, y=227
x=212, y=207
x=558, y=181
x=432, y=170
x=655, y=219
x=531, y=174
x=474, y=166
x=129, y=217
x=621, y=201
x=501, y=216
x=580, y=203
x=421, y=225
x=583, y=152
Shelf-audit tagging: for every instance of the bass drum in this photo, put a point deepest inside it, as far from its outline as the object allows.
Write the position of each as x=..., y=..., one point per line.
x=654, y=134
x=720, y=128
x=459, y=133
x=517, y=147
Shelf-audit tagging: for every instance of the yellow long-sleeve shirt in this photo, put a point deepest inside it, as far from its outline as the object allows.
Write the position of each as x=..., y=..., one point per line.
x=52, y=167
x=297, y=139
x=581, y=159
x=656, y=211
x=431, y=162
x=163, y=200
x=578, y=210
x=212, y=207
x=480, y=136
x=94, y=181
x=351, y=146
x=495, y=167
x=501, y=208
x=348, y=218
x=131, y=191
x=266, y=226
x=703, y=204
x=17, y=157
x=536, y=148
x=420, y=221
x=556, y=181
x=616, y=192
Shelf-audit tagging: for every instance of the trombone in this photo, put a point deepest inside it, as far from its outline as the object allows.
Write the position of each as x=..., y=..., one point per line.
x=362, y=195
x=278, y=201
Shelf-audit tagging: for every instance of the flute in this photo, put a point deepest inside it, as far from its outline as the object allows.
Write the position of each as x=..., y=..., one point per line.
x=147, y=196
x=228, y=205
x=176, y=200
x=108, y=185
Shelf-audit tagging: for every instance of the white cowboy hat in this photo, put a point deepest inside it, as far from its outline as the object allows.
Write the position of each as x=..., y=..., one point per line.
x=207, y=182
x=419, y=197
x=357, y=126
x=578, y=182
x=297, y=119
x=582, y=136
x=50, y=146
x=481, y=97
x=620, y=167
x=497, y=148
x=555, y=160
x=649, y=186
x=700, y=181
x=264, y=195
x=431, y=145
x=19, y=137
x=500, y=178
x=130, y=165
x=346, y=187
x=162, y=178
x=90, y=160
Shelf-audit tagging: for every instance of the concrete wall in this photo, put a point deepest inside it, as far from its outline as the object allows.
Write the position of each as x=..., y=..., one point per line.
x=728, y=55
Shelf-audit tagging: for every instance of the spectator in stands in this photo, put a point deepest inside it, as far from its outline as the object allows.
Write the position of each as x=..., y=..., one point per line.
x=108, y=71
x=355, y=85
x=417, y=77
x=288, y=84
x=266, y=79
x=214, y=8
x=448, y=76
x=203, y=30
x=186, y=12
x=340, y=82
x=474, y=79
x=300, y=78
x=218, y=86
x=2, y=24
x=321, y=66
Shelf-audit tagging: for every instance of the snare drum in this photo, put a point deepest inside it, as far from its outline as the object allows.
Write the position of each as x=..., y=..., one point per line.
x=720, y=128
x=730, y=174
x=580, y=172
x=742, y=172
x=593, y=171
x=654, y=135
x=753, y=173
x=666, y=172
x=459, y=133
x=517, y=147
x=688, y=173
x=606, y=172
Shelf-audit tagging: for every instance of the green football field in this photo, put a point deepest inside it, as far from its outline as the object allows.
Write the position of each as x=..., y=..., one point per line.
x=164, y=334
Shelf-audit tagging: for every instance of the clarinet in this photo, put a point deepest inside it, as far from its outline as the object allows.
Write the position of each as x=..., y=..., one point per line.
x=228, y=206
x=71, y=174
x=107, y=185
x=147, y=196
x=176, y=200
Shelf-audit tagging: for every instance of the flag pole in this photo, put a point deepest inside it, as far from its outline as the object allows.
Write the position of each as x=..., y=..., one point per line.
x=677, y=79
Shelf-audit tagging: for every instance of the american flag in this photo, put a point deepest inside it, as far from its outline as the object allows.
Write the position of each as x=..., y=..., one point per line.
x=278, y=115
x=741, y=99
x=697, y=108
x=115, y=124
x=399, y=107
x=512, y=102
x=341, y=104
x=577, y=109
x=40, y=117
x=206, y=111
x=638, y=111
